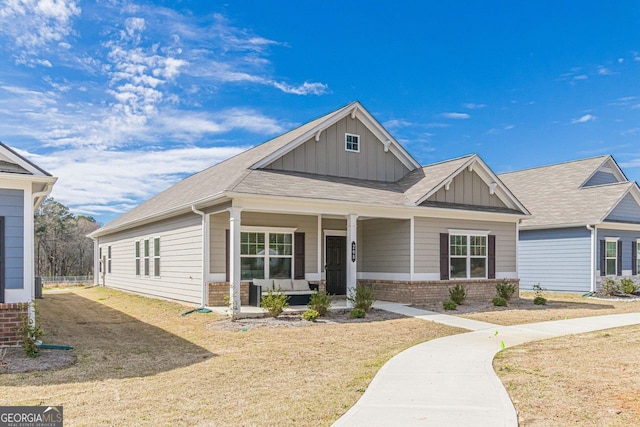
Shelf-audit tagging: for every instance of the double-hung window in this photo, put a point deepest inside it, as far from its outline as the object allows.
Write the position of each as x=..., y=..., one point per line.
x=146, y=257
x=156, y=257
x=137, y=258
x=109, y=259
x=266, y=255
x=611, y=257
x=468, y=256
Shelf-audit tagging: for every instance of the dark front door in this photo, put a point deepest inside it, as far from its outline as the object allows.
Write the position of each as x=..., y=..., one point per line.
x=336, y=267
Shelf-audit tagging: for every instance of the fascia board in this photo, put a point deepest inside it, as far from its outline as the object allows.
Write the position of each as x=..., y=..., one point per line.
x=442, y=183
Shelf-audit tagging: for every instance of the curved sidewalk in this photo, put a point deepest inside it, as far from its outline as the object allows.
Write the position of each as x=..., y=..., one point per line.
x=450, y=381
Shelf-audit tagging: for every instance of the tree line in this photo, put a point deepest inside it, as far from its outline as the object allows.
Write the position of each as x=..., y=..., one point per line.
x=62, y=247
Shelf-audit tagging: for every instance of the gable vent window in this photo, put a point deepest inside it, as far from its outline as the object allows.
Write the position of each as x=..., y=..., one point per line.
x=352, y=142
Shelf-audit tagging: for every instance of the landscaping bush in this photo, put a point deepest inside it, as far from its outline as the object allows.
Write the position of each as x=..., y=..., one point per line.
x=539, y=298
x=274, y=302
x=310, y=315
x=363, y=297
x=627, y=285
x=30, y=333
x=499, y=302
x=457, y=294
x=449, y=305
x=610, y=287
x=357, y=313
x=320, y=301
x=540, y=301
x=505, y=289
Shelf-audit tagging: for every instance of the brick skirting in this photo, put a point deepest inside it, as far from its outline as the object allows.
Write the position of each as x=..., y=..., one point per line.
x=11, y=315
x=219, y=290
x=437, y=290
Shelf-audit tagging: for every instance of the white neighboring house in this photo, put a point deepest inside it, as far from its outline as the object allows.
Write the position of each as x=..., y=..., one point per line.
x=335, y=202
x=23, y=186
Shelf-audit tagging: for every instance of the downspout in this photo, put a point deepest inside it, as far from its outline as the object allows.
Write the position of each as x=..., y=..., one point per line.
x=205, y=290
x=593, y=257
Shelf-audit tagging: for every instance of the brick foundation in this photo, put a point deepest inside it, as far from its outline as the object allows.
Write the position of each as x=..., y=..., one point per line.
x=219, y=290
x=11, y=315
x=437, y=290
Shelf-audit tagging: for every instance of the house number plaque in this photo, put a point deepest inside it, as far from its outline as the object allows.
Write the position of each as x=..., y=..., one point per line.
x=353, y=251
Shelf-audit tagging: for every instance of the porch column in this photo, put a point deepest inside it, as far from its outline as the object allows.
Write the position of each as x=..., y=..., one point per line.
x=352, y=255
x=234, y=260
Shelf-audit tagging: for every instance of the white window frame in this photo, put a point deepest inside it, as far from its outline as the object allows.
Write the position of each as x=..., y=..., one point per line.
x=469, y=234
x=156, y=258
x=267, y=256
x=347, y=142
x=109, y=259
x=613, y=240
x=137, y=252
x=146, y=264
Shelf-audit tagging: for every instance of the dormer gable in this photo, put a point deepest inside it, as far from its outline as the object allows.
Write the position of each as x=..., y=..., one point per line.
x=13, y=163
x=349, y=144
x=607, y=173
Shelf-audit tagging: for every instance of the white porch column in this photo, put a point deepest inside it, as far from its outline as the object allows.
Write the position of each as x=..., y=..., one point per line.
x=234, y=260
x=352, y=255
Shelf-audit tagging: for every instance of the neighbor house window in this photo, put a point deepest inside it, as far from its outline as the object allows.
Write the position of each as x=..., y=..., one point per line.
x=146, y=257
x=611, y=257
x=352, y=142
x=266, y=255
x=467, y=256
x=109, y=259
x=100, y=256
x=156, y=257
x=137, y=258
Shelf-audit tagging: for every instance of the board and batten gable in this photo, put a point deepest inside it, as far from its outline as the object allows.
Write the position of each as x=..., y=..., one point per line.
x=467, y=188
x=627, y=237
x=627, y=210
x=12, y=209
x=384, y=245
x=219, y=223
x=180, y=259
x=557, y=259
x=427, y=243
x=328, y=156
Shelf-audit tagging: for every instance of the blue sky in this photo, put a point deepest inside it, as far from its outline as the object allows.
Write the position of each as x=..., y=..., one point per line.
x=120, y=99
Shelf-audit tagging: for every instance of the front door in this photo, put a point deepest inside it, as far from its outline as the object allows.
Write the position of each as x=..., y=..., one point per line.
x=336, y=268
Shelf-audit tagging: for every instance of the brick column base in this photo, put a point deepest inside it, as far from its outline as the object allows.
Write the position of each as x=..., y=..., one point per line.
x=219, y=290
x=11, y=317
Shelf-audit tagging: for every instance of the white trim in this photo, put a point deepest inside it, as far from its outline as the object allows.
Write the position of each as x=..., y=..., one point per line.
x=385, y=276
x=593, y=260
x=468, y=257
x=615, y=270
x=328, y=232
x=507, y=275
x=611, y=239
x=267, y=250
x=325, y=233
x=468, y=232
x=22, y=162
x=412, y=247
x=319, y=248
x=217, y=277
x=313, y=276
x=616, y=171
x=627, y=273
x=619, y=226
x=351, y=150
x=258, y=229
x=352, y=258
x=426, y=277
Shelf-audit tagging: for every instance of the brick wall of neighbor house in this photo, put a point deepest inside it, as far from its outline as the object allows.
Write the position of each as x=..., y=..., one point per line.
x=219, y=290
x=433, y=291
x=11, y=315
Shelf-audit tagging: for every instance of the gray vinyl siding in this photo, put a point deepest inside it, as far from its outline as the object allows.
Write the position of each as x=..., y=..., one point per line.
x=329, y=157
x=427, y=242
x=627, y=210
x=12, y=209
x=559, y=260
x=180, y=259
x=469, y=189
x=601, y=178
x=626, y=237
x=384, y=245
x=306, y=224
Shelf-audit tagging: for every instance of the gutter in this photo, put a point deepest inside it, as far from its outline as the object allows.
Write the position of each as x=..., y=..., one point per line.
x=205, y=256
x=41, y=194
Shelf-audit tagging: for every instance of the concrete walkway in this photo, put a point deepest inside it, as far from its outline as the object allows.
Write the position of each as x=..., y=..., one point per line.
x=450, y=381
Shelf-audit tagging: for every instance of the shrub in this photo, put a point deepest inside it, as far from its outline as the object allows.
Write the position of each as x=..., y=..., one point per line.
x=499, y=302
x=627, y=285
x=363, y=297
x=357, y=313
x=320, y=302
x=610, y=287
x=310, y=315
x=540, y=301
x=449, y=305
x=31, y=333
x=505, y=289
x=457, y=294
x=274, y=302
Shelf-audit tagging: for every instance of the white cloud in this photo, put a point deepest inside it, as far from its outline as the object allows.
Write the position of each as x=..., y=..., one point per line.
x=307, y=88
x=584, y=119
x=472, y=106
x=455, y=116
x=603, y=71
x=581, y=77
x=394, y=124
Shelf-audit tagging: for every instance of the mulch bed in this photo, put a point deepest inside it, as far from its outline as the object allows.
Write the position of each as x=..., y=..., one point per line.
x=17, y=361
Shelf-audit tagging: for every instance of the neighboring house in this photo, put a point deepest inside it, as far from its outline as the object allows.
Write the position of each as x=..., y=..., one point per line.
x=337, y=201
x=23, y=186
x=585, y=224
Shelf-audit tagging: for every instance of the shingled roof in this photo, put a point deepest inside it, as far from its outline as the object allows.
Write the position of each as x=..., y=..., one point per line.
x=556, y=197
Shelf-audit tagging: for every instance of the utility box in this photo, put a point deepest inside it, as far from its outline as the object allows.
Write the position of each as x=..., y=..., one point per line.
x=38, y=287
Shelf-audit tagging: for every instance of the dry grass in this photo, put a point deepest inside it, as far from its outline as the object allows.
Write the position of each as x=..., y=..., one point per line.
x=586, y=380
x=141, y=363
x=559, y=306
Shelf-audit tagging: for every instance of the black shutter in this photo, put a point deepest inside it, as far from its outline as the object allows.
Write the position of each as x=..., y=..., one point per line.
x=491, y=257
x=298, y=257
x=444, y=256
x=634, y=258
x=619, y=272
x=603, y=259
x=227, y=256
